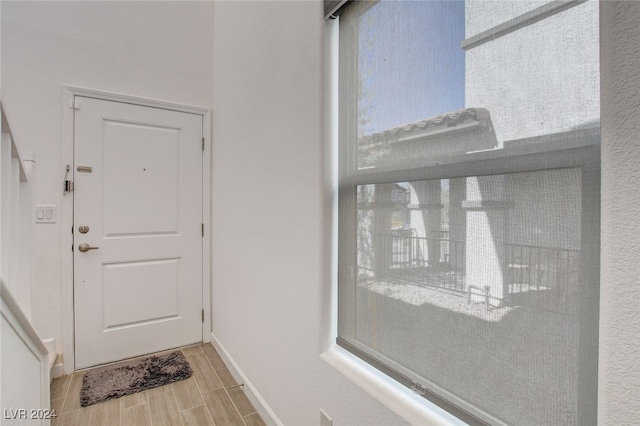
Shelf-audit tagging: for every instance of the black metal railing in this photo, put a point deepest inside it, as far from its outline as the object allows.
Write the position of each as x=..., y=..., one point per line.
x=440, y=262
x=437, y=262
x=542, y=276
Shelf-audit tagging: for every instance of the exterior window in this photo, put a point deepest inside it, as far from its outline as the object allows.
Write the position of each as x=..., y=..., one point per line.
x=469, y=203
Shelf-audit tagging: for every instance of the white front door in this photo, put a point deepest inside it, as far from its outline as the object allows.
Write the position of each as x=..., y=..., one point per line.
x=137, y=230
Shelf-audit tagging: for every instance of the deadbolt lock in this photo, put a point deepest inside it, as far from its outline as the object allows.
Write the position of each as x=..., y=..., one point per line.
x=83, y=229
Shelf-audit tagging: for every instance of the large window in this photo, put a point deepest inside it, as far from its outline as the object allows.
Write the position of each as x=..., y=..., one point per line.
x=469, y=203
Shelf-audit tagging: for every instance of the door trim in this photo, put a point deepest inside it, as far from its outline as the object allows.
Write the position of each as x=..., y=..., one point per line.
x=66, y=208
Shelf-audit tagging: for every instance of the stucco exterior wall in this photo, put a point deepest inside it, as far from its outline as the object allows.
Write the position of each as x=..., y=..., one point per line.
x=537, y=80
x=482, y=15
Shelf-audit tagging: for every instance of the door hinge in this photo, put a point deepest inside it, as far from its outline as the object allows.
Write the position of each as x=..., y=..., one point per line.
x=203, y=229
x=75, y=104
x=203, y=143
x=203, y=315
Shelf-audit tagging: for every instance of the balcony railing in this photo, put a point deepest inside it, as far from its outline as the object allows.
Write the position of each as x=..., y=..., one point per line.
x=542, y=276
x=537, y=276
x=437, y=262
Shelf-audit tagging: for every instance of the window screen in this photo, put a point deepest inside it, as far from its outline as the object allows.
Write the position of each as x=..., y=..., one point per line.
x=469, y=203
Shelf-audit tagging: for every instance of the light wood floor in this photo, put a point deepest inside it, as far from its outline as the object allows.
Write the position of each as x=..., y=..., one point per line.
x=207, y=398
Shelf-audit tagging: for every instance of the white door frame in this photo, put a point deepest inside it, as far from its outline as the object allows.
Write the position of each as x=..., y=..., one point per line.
x=66, y=208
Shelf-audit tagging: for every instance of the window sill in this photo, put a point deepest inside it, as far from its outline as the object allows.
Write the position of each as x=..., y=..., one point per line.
x=411, y=407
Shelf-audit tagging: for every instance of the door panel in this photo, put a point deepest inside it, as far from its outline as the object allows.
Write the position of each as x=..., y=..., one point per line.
x=127, y=177
x=138, y=280
x=140, y=290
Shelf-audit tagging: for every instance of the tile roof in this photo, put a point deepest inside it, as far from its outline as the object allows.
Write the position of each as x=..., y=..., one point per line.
x=438, y=123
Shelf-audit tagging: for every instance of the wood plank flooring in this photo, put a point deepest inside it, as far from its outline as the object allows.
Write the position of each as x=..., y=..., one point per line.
x=208, y=398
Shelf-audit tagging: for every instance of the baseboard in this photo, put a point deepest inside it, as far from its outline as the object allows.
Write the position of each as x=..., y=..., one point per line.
x=250, y=391
x=54, y=359
x=57, y=369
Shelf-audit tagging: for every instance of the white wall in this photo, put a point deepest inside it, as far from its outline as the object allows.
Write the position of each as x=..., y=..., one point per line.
x=24, y=364
x=270, y=233
x=619, y=375
x=158, y=50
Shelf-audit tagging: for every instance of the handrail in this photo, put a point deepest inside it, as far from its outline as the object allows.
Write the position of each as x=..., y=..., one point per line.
x=15, y=150
x=22, y=319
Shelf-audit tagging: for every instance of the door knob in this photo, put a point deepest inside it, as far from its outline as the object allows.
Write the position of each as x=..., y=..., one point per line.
x=85, y=247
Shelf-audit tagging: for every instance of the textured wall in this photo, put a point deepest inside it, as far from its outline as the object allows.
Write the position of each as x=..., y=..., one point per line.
x=482, y=15
x=619, y=375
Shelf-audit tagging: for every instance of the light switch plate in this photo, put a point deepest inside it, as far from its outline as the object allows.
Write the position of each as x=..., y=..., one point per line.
x=46, y=214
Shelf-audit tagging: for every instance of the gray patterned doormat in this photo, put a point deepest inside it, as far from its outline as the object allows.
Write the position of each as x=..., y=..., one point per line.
x=125, y=378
